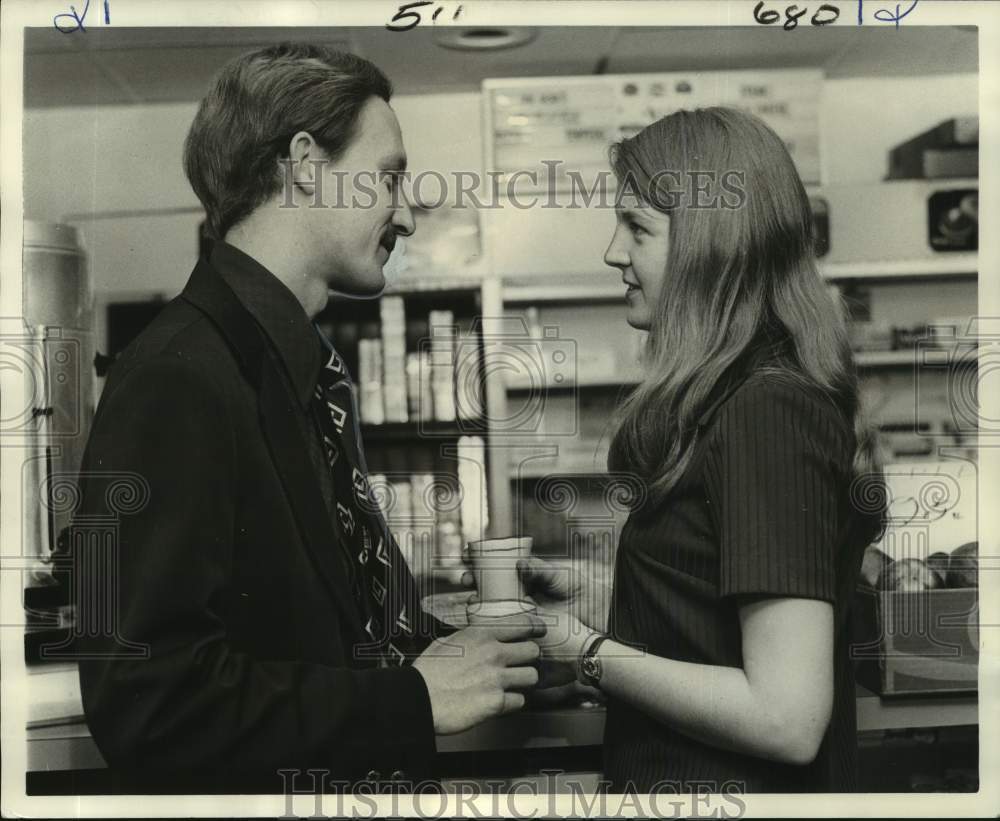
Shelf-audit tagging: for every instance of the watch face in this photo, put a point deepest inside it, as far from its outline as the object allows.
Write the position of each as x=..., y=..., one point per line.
x=591, y=668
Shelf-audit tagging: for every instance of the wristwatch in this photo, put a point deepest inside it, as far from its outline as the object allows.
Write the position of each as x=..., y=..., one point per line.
x=590, y=664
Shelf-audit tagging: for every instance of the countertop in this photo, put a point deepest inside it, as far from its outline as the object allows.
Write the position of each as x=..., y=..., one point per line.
x=58, y=737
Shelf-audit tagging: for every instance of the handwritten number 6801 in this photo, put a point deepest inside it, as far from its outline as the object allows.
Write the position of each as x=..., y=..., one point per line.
x=823, y=16
x=828, y=13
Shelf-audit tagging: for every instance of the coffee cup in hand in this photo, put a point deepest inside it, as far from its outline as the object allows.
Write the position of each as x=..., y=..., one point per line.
x=494, y=567
x=485, y=613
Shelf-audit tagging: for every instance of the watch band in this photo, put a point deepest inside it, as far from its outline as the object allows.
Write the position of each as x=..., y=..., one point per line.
x=590, y=669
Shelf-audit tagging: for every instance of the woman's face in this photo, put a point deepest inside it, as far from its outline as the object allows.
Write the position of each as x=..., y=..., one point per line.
x=639, y=250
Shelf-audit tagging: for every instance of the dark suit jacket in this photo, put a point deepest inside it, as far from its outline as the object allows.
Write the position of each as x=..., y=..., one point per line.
x=229, y=574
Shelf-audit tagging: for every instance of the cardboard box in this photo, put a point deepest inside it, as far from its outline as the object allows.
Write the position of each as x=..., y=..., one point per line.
x=916, y=642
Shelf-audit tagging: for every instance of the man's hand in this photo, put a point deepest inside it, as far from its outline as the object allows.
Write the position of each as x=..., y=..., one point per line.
x=572, y=693
x=567, y=588
x=476, y=673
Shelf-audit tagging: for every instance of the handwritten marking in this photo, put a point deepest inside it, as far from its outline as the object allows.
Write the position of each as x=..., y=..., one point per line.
x=794, y=13
x=408, y=12
x=825, y=14
x=826, y=7
x=78, y=18
x=887, y=16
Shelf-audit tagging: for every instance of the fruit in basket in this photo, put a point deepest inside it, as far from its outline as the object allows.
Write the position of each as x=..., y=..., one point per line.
x=963, y=567
x=873, y=565
x=909, y=575
x=938, y=562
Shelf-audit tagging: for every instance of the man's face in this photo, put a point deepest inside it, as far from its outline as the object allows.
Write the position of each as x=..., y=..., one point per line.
x=354, y=235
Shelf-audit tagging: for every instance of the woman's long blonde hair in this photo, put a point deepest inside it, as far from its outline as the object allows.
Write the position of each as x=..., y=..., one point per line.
x=738, y=278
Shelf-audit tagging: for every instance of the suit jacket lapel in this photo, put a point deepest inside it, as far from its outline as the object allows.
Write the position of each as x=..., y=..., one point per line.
x=207, y=291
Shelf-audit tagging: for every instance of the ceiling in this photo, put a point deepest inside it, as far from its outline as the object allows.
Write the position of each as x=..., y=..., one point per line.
x=139, y=65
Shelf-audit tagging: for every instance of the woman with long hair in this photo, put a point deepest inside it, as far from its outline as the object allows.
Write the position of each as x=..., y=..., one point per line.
x=725, y=659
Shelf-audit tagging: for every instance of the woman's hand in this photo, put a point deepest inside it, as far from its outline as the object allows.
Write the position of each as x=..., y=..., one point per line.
x=584, y=597
x=562, y=644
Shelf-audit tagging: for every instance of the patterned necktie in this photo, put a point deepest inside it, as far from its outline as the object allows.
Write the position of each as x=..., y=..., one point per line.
x=385, y=591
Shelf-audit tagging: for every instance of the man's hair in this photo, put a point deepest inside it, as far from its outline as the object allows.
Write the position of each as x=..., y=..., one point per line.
x=257, y=103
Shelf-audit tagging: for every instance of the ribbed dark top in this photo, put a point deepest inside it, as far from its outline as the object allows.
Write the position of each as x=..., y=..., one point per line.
x=762, y=510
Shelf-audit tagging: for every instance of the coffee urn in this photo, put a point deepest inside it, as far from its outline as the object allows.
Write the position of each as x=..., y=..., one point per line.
x=58, y=353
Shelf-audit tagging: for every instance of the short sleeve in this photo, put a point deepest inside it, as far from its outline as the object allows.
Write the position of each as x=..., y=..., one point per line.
x=775, y=476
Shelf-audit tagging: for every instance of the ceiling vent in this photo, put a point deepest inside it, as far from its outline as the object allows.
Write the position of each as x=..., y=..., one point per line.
x=484, y=38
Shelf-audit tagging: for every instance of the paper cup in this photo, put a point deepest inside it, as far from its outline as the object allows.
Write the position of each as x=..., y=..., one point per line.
x=484, y=613
x=494, y=566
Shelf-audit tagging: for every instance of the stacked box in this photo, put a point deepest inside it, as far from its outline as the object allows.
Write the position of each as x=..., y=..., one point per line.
x=472, y=481
x=916, y=642
x=424, y=521
x=468, y=373
x=394, y=358
x=448, y=531
x=418, y=386
x=399, y=518
x=442, y=356
x=370, y=381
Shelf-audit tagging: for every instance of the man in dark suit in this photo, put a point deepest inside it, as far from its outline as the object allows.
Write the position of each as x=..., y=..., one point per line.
x=265, y=619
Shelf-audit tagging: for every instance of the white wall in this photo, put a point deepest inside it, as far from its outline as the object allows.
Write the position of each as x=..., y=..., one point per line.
x=108, y=158
x=862, y=118
x=97, y=161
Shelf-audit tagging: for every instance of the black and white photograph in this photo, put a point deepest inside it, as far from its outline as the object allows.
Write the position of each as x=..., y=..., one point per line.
x=500, y=409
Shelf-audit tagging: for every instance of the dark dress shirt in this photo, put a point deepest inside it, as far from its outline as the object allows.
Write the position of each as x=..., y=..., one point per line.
x=763, y=510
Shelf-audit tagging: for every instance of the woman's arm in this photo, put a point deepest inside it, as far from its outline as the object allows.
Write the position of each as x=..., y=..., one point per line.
x=777, y=706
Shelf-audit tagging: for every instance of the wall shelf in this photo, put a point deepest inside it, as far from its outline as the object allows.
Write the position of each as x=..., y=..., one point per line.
x=608, y=381
x=607, y=287
x=410, y=432
x=868, y=360
x=426, y=284
x=906, y=358
x=578, y=460
x=957, y=264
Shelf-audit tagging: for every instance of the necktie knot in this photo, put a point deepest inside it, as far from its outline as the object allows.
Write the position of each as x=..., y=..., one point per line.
x=334, y=370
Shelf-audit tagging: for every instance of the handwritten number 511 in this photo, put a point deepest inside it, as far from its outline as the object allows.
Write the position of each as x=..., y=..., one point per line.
x=409, y=13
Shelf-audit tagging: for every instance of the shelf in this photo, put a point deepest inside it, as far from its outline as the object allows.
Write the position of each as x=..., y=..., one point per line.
x=885, y=359
x=585, y=288
x=427, y=429
x=428, y=285
x=609, y=381
x=905, y=712
x=591, y=465
x=956, y=264
x=907, y=358
x=607, y=287
x=863, y=359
